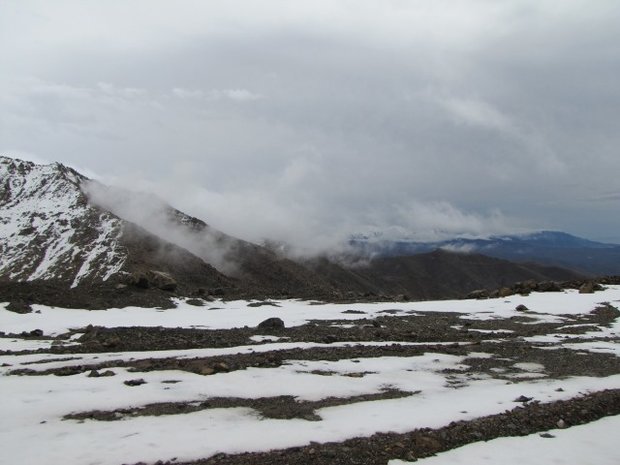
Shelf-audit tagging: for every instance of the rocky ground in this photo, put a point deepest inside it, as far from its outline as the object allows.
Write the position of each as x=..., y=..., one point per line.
x=521, y=349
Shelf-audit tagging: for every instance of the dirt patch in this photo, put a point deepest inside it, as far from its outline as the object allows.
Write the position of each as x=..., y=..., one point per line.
x=280, y=407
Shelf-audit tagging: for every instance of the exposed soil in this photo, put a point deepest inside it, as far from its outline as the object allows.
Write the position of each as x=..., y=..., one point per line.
x=281, y=407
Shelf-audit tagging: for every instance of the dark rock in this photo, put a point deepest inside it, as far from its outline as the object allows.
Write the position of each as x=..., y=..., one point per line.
x=221, y=367
x=153, y=279
x=478, y=294
x=505, y=292
x=36, y=333
x=140, y=280
x=521, y=308
x=134, y=382
x=271, y=324
x=103, y=374
x=263, y=303
x=586, y=288
x=19, y=306
x=548, y=286
x=161, y=280
x=523, y=399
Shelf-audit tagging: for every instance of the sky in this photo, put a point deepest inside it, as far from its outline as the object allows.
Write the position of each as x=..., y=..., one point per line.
x=309, y=121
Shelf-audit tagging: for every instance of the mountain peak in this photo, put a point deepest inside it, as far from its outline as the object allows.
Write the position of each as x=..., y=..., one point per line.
x=44, y=215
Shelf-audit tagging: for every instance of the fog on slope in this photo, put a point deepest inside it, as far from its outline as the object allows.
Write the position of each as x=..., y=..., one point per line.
x=156, y=216
x=296, y=223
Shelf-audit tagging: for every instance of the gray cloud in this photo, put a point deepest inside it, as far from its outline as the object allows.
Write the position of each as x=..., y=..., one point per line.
x=311, y=121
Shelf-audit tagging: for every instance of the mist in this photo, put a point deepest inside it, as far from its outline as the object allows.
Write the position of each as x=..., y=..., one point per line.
x=159, y=218
x=308, y=122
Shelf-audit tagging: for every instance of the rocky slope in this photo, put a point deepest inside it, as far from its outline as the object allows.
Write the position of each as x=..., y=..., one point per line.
x=70, y=241
x=48, y=230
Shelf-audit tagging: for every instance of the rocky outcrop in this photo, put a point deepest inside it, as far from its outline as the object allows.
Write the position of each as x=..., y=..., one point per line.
x=153, y=278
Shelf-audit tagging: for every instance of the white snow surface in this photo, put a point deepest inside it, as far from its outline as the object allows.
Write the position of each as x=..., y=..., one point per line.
x=41, y=210
x=590, y=444
x=36, y=405
x=544, y=307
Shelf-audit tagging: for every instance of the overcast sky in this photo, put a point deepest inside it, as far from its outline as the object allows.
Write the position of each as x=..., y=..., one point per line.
x=306, y=121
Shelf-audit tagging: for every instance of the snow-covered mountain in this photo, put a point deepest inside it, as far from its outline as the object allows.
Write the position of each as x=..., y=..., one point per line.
x=49, y=231
x=57, y=226
x=60, y=231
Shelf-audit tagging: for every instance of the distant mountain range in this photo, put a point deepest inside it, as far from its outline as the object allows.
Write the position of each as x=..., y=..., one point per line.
x=544, y=247
x=70, y=241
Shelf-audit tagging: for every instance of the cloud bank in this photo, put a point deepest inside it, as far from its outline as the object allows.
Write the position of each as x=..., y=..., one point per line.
x=309, y=121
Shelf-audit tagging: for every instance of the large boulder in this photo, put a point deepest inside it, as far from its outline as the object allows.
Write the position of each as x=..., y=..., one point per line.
x=153, y=279
x=271, y=324
x=548, y=286
x=478, y=294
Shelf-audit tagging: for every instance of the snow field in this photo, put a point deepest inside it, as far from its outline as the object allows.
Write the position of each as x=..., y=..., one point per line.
x=35, y=431
x=590, y=444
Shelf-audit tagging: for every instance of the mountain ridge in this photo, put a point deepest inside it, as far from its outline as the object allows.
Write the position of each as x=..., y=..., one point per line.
x=554, y=248
x=56, y=232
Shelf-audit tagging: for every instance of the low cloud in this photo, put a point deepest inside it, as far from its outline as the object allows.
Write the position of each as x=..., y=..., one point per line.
x=239, y=95
x=309, y=122
x=159, y=218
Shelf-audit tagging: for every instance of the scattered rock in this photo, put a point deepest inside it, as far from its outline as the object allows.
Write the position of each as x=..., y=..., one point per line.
x=561, y=424
x=505, y=292
x=161, y=280
x=587, y=288
x=548, y=286
x=478, y=294
x=36, y=333
x=103, y=374
x=195, y=302
x=139, y=279
x=134, y=382
x=262, y=303
x=271, y=324
x=19, y=306
x=546, y=435
x=521, y=308
x=218, y=291
x=221, y=367
x=153, y=278
x=523, y=399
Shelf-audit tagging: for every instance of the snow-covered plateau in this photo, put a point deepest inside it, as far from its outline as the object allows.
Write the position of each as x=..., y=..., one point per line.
x=333, y=373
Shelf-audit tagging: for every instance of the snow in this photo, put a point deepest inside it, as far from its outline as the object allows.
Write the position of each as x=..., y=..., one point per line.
x=442, y=389
x=37, y=226
x=38, y=404
x=590, y=444
x=42, y=361
x=545, y=307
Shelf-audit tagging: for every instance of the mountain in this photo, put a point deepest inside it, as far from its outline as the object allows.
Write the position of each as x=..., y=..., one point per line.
x=69, y=241
x=53, y=229
x=545, y=247
x=438, y=275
